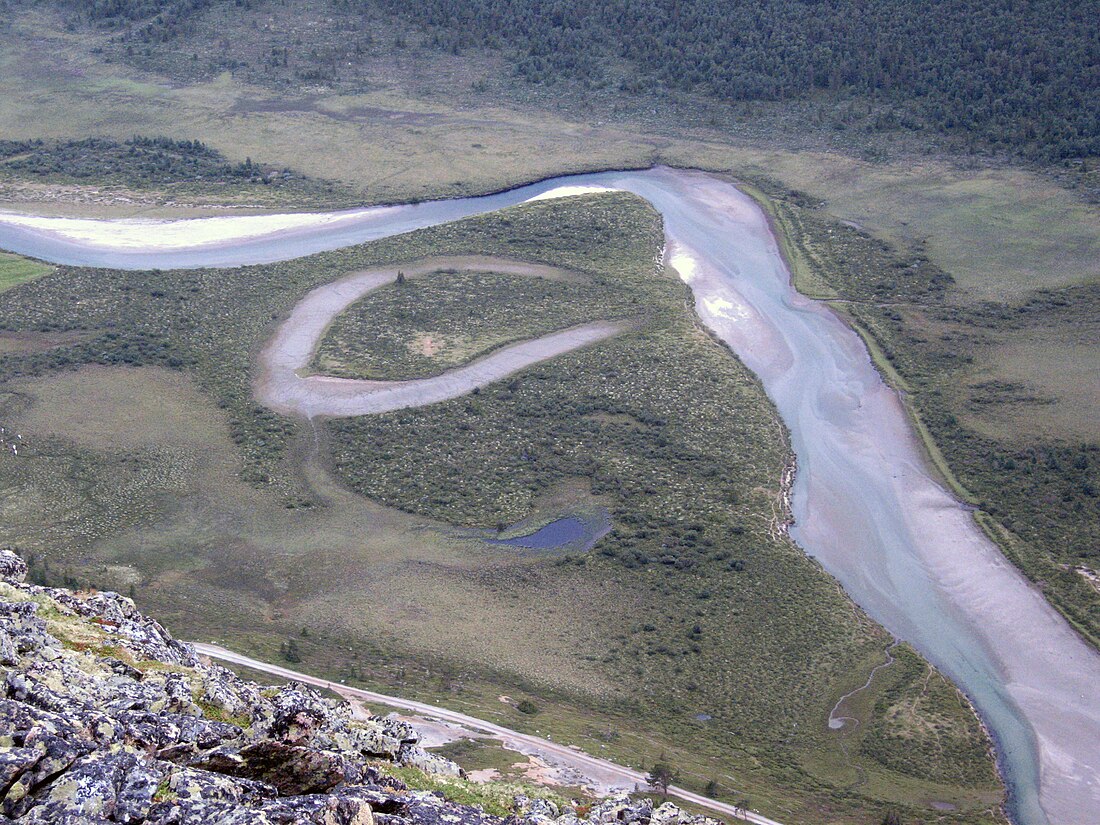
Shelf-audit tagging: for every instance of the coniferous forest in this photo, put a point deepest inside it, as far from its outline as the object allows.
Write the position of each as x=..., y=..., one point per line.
x=1017, y=76
x=948, y=65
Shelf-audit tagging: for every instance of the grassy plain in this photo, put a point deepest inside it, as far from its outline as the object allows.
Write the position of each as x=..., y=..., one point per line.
x=145, y=465
x=16, y=270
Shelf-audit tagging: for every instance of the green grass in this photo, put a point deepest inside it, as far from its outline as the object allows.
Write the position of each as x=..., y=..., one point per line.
x=427, y=325
x=219, y=714
x=924, y=729
x=16, y=270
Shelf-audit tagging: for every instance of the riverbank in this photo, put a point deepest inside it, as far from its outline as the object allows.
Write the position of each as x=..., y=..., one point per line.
x=734, y=300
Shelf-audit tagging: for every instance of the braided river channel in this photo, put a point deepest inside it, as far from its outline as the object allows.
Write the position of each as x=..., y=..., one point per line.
x=864, y=502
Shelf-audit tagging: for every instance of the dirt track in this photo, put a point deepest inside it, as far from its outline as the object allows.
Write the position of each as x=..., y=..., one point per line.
x=600, y=773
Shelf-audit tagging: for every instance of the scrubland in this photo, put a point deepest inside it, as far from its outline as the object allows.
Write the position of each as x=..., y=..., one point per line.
x=145, y=465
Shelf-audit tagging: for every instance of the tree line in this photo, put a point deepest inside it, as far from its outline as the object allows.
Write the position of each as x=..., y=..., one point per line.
x=1021, y=76
x=1015, y=74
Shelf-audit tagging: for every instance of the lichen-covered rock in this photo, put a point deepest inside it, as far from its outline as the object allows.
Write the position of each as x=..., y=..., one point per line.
x=414, y=756
x=12, y=568
x=331, y=809
x=669, y=814
x=105, y=719
x=292, y=769
x=115, y=784
x=14, y=762
x=223, y=690
x=429, y=809
x=544, y=807
x=57, y=756
x=620, y=808
x=161, y=731
x=23, y=632
x=194, y=785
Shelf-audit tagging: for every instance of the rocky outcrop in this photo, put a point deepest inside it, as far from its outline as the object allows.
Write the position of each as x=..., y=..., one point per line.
x=105, y=718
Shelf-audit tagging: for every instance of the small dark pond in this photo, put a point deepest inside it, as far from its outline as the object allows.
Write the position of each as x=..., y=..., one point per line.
x=571, y=532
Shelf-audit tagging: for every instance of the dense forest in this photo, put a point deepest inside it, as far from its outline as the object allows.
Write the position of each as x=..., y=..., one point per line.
x=1021, y=76
x=1013, y=73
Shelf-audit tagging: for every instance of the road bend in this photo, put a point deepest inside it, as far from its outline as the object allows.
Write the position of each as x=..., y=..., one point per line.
x=525, y=743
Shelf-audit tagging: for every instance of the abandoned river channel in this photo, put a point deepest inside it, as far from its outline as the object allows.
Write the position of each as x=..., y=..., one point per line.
x=864, y=502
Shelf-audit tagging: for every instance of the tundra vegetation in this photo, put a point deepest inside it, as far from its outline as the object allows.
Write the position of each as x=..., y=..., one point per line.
x=693, y=629
x=174, y=168
x=1002, y=389
x=168, y=480
x=420, y=327
x=980, y=75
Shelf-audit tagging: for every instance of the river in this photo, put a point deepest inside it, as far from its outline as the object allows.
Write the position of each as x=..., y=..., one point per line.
x=864, y=502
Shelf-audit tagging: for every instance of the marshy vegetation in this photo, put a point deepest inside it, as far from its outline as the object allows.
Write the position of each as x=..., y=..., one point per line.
x=1002, y=387
x=182, y=167
x=691, y=606
x=420, y=327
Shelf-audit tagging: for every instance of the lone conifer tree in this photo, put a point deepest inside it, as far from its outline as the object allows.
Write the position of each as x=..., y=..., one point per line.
x=661, y=776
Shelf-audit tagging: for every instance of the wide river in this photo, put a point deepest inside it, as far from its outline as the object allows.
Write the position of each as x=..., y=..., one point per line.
x=864, y=503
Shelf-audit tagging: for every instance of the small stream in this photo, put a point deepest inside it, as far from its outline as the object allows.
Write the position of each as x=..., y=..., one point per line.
x=864, y=502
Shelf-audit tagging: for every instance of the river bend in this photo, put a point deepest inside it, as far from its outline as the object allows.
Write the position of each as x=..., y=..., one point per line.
x=864, y=503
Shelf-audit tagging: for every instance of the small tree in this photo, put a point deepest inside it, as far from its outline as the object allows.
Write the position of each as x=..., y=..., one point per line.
x=661, y=776
x=289, y=651
x=712, y=789
x=891, y=818
x=400, y=277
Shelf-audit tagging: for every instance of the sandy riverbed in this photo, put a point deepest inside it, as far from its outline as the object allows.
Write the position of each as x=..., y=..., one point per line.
x=283, y=386
x=144, y=233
